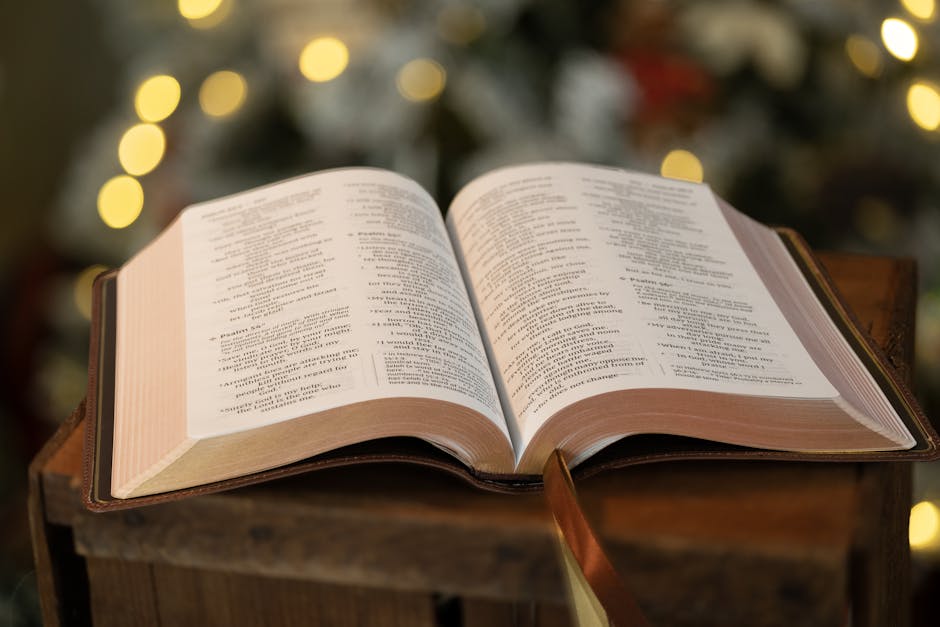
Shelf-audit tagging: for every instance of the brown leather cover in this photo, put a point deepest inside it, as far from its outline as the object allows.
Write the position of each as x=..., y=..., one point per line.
x=628, y=451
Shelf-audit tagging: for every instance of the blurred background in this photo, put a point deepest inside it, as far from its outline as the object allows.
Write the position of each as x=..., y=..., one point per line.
x=822, y=115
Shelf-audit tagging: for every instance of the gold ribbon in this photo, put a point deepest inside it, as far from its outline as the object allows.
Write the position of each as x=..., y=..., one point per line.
x=579, y=542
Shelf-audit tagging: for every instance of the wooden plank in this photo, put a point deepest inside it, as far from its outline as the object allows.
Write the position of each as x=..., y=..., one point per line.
x=881, y=292
x=187, y=596
x=490, y=613
x=56, y=579
x=66, y=457
x=415, y=532
x=715, y=586
x=61, y=480
x=420, y=532
x=881, y=562
x=122, y=593
x=760, y=506
x=344, y=540
x=883, y=295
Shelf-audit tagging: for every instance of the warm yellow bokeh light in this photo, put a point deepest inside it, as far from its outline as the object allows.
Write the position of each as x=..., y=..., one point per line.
x=924, y=527
x=323, y=59
x=198, y=9
x=82, y=289
x=682, y=164
x=923, y=104
x=899, y=38
x=222, y=93
x=921, y=9
x=460, y=23
x=120, y=201
x=141, y=148
x=205, y=14
x=420, y=80
x=157, y=97
x=864, y=55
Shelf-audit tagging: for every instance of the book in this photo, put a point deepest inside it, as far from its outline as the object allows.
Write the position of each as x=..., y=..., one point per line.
x=338, y=317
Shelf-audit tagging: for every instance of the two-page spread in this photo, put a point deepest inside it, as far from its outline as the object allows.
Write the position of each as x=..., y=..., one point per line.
x=559, y=306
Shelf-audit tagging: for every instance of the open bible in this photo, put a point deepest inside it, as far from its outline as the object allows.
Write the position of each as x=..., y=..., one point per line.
x=559, y=306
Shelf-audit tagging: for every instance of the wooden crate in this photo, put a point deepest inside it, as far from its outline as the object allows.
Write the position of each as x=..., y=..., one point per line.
x=701, y=543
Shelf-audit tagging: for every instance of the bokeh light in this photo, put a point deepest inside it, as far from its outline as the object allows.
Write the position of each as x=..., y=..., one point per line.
x=81, y=291
x=157, y=98
x=899, y=38
x=222, y=93
x=921, y=9
x=120, y=201
x=924, y=529
x=421, y=80
x=198, y=9
x=205, y=14
x=923, y=105
x=682, y=164
x=864, y=55
x=141, y=148
x=323, y=59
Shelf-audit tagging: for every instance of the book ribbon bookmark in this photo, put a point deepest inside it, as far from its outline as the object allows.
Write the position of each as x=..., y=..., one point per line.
x=598, y=594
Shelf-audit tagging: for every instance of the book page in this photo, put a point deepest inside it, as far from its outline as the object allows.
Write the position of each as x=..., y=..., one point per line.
x=321, y=291
x=591, y=280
